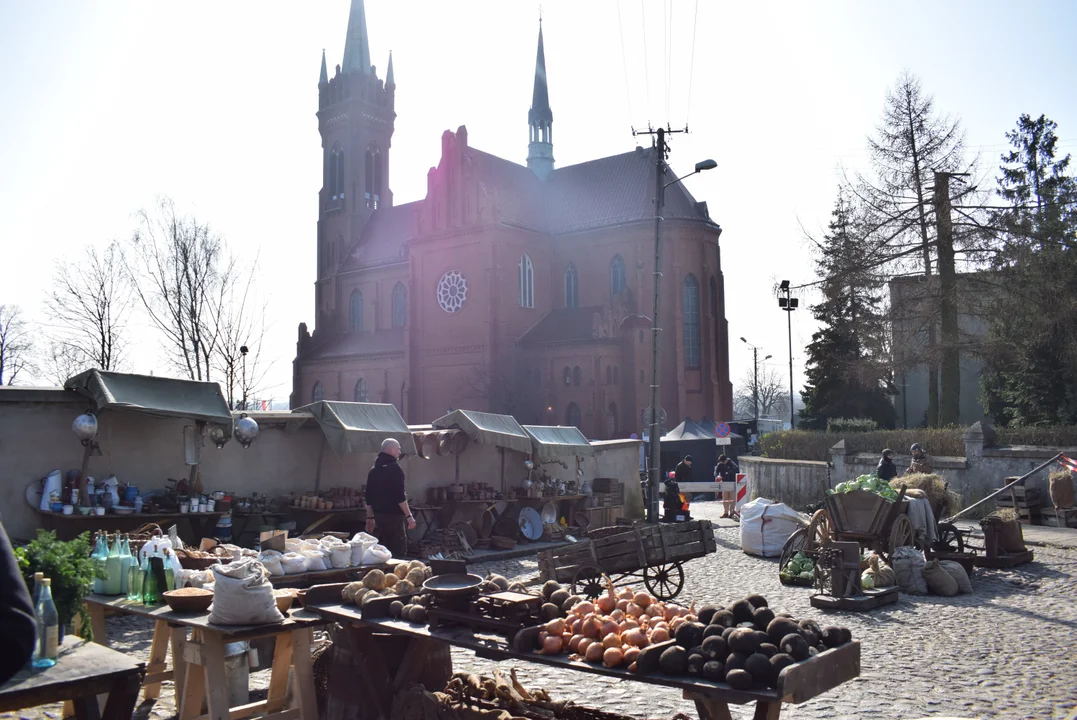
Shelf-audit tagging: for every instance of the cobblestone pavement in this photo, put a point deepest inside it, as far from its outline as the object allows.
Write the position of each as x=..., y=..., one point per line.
x=1005, y=651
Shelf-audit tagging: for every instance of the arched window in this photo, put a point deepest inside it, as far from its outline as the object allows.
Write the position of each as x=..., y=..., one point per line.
x=616, y=378
x=568, y=375
x=691, y=322
x=334, y=173
x=572, y=415
x=527, y=282
x=355, y=306
x=400, y=306
x=318, y=393
x=617, y=276
x=372, y=171
x=572, y=292
x=714, y=319
x=611, y=419
x=577, y=375
x=360, y=390
x=609, y=374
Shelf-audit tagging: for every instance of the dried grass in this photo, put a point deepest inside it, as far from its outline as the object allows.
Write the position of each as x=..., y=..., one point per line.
x=942, y=499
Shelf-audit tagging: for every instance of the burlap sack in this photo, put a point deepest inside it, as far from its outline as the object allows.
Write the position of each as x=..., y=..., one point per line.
x=1062, y=495
x=939, y=581
x=243, y=595
x=909, y=571
x=957, y=572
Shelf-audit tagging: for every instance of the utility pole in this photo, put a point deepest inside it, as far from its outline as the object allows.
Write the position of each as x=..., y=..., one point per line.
x=950, y=375
x=655, y=433
x=789, y=304
x=755, y=383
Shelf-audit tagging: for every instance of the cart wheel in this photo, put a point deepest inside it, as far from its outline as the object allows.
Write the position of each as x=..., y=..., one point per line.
x=820, y=529
x=797, y=542
x=950, y=539
x=901, y=535
x=664, y=581
x=588, y=582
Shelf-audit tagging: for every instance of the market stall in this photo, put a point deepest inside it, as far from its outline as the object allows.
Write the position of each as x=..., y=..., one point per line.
x=567, y=447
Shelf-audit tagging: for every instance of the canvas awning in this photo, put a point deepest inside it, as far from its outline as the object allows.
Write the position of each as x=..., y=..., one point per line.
x=487, y=429
x=360, y=427
x=555, y=442
x=160, y=396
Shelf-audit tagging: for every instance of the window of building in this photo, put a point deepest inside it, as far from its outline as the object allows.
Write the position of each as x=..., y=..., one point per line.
x=616, y=379
x=373, y=175
x=714, y=319
x=611, y=418
x=577, y=375
x=334, y=173
x=568, y=375
x=355, y=306
x=691, y=322
x=609, y=374
x=360, y=390
x=573, y=417
x=641, y=381
x=572, y=292
x=527, y=282
x=400, y=306
x=318, y=393
x=617, y=276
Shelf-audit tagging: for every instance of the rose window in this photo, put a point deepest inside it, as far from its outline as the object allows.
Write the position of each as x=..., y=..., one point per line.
x=452, y=291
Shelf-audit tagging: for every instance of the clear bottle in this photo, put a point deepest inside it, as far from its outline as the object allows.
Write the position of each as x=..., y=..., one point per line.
x=140, y=579
x=125, y=565
x=170, y=576
x=113, y=566
x=38, y=577
x=99, y=554
x=46, y=649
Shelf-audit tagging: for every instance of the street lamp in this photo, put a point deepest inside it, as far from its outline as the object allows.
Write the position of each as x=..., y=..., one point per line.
x=655, y=419
x=789, y=304
x=755, y=382
x=243, y=352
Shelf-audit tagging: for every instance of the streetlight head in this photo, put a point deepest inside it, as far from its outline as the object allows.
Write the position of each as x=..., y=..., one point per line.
x=793, y=303
x=784, y=285
x=705, y=165
x=744, y=341
x=768, y=357
x=243, y=349
x=782, y=302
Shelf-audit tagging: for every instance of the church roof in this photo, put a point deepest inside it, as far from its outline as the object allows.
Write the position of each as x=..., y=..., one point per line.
x=356, y=45
x=563, y=325
x=540, y=112
x=379, y=342
x=384, y=239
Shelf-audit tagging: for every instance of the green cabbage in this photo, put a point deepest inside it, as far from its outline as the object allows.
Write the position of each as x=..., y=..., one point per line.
x=868, y=483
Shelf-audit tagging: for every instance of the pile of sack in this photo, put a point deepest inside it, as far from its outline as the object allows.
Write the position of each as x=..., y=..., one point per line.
x=916, y=576
x=328, y=553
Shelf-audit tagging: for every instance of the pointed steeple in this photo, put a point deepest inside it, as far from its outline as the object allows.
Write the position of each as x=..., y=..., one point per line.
x=323, y=78
x=540, y=119
x=390, y=79
x=356, y=45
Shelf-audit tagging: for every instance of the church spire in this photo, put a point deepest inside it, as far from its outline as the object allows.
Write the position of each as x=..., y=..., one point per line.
x=390, y=79
x=540, y=119
x=356, y=45
x=323, y=78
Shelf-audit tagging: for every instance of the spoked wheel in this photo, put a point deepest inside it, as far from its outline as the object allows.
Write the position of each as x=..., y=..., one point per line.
x=664, y=581
x=588, y=582
x=949, y=539
x=901, y=535
x=820, y=530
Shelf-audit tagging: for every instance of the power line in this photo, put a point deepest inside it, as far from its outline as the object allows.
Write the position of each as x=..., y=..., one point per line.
x=624, y=63
x=669, y=56
x=692, y=65
x=646, y=63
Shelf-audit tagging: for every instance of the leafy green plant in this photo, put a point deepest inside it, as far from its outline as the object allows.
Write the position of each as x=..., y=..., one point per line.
x=70, y=568
x=850, y=425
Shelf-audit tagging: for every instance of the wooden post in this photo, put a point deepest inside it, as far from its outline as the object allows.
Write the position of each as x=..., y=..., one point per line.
x=502, y=451
x=318, y=472
x=84, y=494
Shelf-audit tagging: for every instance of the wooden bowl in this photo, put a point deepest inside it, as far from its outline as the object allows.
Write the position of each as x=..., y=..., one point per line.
x=284, y=597
x=189, y=600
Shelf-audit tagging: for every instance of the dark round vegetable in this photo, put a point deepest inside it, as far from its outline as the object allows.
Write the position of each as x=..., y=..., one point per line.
x=742, y=611
x=779, y=627
x=727, y=632
x=739, y=679
x=768, y=649
x=570, y=603
x=417, y=614
x=396, y=608
x=558, y=597
x=713, y=670
x=759, y=666
x=778, y=663
x=846, y=636
x=695, y=664
x=715, y=648
x=744, y=641
x=549, y=588
x=549, y=611
x=757, y=601
x=706, y=613
x=713, y=631
x=673, y=661
x=794, y=644
x=723, y=618
x=689, y=635
x=831, y=636
x=735, y=661
x=762, y=617
x=811, y=631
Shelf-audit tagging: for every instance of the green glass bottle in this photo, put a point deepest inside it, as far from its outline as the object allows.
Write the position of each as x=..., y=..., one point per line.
x=100, y=552
x=170, y=576
x=140, y=580
x=151, y=588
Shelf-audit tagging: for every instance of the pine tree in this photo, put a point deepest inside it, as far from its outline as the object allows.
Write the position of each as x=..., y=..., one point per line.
x=847, y=369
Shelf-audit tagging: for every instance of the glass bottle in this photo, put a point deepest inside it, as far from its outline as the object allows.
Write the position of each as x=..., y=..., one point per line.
x=38, y=577
x=170, y=576
x=100, y=552
x=140, y=579
x=125, y=565
x=113, y=566
x=151, y=593
x=46, y=649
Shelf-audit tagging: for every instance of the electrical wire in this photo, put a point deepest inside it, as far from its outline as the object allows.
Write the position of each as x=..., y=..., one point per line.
x=692, y=63
x=669, y=57
x=665, y=52
x=646, y=62
x=624, y=63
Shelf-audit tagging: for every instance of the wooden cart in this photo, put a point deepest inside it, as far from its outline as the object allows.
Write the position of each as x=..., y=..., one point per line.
x=654, y=553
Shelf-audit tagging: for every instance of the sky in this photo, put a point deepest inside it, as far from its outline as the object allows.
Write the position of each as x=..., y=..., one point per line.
x=107, y=104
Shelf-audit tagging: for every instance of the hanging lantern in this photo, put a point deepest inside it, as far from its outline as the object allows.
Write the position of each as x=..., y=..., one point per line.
x=246, y=430
x=218, y=435
x=85, y=427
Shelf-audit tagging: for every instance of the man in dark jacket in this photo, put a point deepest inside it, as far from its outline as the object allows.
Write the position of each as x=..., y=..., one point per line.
x=386, y=502
x=671, y=501
x=725, y=472
x=17, y=624
x=887, y=470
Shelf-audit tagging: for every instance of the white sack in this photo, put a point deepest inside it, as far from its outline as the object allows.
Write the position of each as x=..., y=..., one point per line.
x=376, y=555
x=270, y=559
x=360, y=543
x=766, y=525
x=293, y=563
x=243, y=595
x=341, y=556
x=315, y=560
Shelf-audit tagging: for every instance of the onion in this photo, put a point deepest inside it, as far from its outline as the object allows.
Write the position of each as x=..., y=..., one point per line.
x=622, y=604
x=583, y=608
x=594, y=652
x=630, y=655
x=634, y=610
x=632, y=668
x=583, y=645
x=659, y=635
x=611, y=640
x=671, y=612
x=556, y=627
x=617, y=615
x=630, y=624
x=551, y=645
x=626, y=594
x=574, y=642
x=683, y=612
x=609, y=627
x=612, y=657
x=677, y=622
x=635, y=638
x=565, y=639
x=655, y=610
x=606, y=603
x=643, y=599
x=592, y=628
x=575, y=624
x=542, y=637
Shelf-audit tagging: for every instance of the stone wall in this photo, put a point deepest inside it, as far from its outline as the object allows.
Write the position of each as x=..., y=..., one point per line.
x=793, y=482
x=36, y=437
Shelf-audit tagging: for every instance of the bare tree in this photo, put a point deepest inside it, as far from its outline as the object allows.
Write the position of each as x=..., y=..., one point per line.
x=772, y=389
x=242, y=326
x=88, y=307
x=16, y=345
x=61, y=362
x=182, y=274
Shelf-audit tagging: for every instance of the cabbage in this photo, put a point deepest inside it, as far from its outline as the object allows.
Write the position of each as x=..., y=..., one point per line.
x=867, y=581
x=868, y=483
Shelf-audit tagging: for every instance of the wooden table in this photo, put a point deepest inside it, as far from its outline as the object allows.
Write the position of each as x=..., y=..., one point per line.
x=83, y=671
x=201, y=656
x=797, y=683
x=192, y=526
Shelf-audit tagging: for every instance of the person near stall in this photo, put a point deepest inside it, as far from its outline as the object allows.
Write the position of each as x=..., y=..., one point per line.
x=921, y=461
x=387, y=510
x=672, y=501
x=725, y=472
x=887, y=470
x=18, y=624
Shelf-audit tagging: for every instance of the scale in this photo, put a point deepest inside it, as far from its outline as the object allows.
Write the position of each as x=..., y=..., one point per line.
x=504, y=613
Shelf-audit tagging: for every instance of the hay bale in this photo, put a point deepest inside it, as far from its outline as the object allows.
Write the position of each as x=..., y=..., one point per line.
x=942, y=499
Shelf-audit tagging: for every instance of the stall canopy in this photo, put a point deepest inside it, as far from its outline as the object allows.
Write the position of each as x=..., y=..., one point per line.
x=553, y=442
x=360, y=427
x=164, y=397
x=487, y=429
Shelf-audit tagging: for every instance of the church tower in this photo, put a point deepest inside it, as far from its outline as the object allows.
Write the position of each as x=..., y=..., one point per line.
x=355, y=119
x=540, y=120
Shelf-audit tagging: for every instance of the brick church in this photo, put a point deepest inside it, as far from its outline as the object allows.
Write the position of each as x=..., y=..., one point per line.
x=516, y=288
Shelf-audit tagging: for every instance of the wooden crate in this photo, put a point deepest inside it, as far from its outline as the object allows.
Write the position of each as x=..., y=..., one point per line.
x=607, y=485
x=1059, y=517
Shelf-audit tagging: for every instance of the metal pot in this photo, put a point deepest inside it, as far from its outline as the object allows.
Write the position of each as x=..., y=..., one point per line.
x=246, y=430
x=85, y=426
x=218, y=435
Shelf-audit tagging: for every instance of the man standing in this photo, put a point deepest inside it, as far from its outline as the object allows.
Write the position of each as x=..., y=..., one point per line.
x=725, y=472
x=386, y=502
x=671, y=501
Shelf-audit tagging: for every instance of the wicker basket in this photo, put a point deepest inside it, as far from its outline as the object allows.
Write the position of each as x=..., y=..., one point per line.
x=197, y=563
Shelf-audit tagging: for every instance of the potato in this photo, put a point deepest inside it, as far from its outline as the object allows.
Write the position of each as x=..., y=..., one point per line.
x=415, y=577
x=391, y=579
x=375, y=580
x=403, y=587
x=401, y=570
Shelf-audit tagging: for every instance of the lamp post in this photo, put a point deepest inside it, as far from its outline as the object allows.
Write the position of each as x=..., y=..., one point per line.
x=789, y=304
x=755, y=378
x=655, y=419
x=243, y=352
